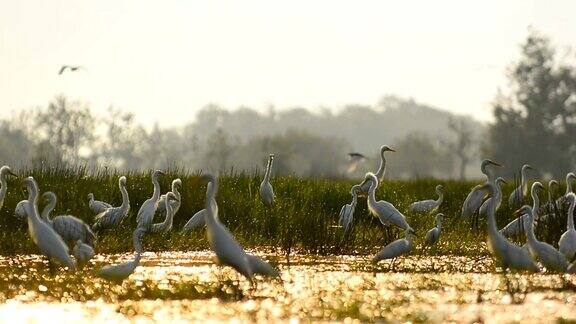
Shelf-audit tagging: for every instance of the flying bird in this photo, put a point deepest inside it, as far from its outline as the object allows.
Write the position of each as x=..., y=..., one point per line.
x=72, y=68
x=355, y=159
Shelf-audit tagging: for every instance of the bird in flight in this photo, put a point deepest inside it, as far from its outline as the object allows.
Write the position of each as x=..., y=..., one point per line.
x=72, y=68
x=355, y=159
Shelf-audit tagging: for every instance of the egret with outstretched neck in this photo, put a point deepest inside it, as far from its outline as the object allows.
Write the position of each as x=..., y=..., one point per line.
x=567, y=243
x=166, y=225
x=70, y=228
x=112, y=217
x=347, y=211
x=4, y=172
x=516, y=227
x=510, y=255
x=499, y=182
x=176, y=185
x=395, y=249
x=542, y=251
x=473, y=201
x=148, y=208
x=97, y=206
x=228, y=251
x=381, y=172
x=433, y=235
x=119, y=272
x=430, y=205
x=517, y=196
x=385, y=211
x=46, y=239
x=266, y=190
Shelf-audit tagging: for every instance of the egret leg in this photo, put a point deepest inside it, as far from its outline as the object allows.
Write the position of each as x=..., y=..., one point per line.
x=392, y=265
x=51, y=267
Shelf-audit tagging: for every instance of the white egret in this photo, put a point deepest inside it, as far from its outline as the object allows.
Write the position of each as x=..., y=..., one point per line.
x=4, y=172
x=510, y=255
x=148, y=208
x=20, y=210
x=119, y=272
x=266, y=191
x=381, y=172
x=567, y=243
x=544, y=252
x=570, y=179
x=82, y=253
x=46, y=239
x=112, y=217
x=518, y=195
x=70, y=228
x=97, y=206
x=228, y=251
x=430, y=205
x=433, y=235
x=499, y=182
x=516, y=227
x=473, y=201
x=196, y=221
x=176, y=185
x=166, y=225
x=347, y=211
x=395, y=249
x=385, y=211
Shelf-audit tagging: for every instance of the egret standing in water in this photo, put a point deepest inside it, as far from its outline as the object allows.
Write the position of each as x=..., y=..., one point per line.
x=46, y=239
x=546, y=253
x=428, y=206
x=228, y=251
x=395, y=249
x=473, y=201
x=176, y=185
x=433, y=235
x=517, y=196
x=166, y=225
x=70, y=228
x=516, y=227
x=385, y=211
x=347, y=211
x=112, y=217
x=148, y=208
x=97, y=206
x=498, y=186
x=4, y=172
x=567, y=243
x=119, y=272
x=365, y=186
x=266, y=191
x=510, y=255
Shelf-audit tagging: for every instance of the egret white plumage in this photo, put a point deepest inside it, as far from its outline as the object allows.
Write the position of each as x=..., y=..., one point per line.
x=176, y=185
x=97, y=206
x=46, y=239
x=266, y=191
x=347, y=211
x=430, y=205
x=474, y=200
x=119, y=272
x=148, y=208
x=70, y=228
x=381, y=172
x=516, y=227
x=395, y=249
x=517, y=196
x=498, y=186
x=4, y=172
x=385, y=211
x=562, y=202
x=542, y=251
x=510, y=255
x=82, y=253
x=433, y=235
x=166, y=225
x=567, y=243
x=20, y=210
x=196, y=221
x=228, y=251
x=112, y=217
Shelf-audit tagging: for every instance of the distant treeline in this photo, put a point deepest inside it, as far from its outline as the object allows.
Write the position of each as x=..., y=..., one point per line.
x=534, y=121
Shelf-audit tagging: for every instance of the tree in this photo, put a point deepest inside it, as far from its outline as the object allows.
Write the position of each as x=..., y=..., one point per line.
x=463, y=146
x=535, y=122
x=418, y=157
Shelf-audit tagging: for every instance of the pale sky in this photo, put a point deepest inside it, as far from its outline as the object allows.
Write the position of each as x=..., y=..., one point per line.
x=164, y=60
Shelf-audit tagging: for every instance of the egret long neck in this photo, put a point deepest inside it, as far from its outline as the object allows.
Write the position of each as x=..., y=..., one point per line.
x=125, y=198
x=529, y=228
x=523, y=182
x=47, y=210
x=3, y=186
x=536, y=201
x=372, y=194
x=32, y=206
x=211, y=207
x=569, y=181
x=440, y=197
x=381, y=168
x=156, y=193
x=268, y=170
x=570, y=225
x=175, y=191
x=169, y=214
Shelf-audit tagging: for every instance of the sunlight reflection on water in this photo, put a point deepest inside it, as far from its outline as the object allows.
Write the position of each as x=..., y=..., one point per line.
x=178, y=286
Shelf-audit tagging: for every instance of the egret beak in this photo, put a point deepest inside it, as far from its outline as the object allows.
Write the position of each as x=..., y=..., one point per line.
x=504, y=181
x=496, y=163
x=391, y=150
x=13, y=174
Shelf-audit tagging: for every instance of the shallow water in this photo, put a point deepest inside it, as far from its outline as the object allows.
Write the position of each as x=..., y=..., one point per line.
x=188, y=286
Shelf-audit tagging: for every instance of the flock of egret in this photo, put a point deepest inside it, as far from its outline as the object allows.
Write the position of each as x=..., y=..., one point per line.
x=54, y=236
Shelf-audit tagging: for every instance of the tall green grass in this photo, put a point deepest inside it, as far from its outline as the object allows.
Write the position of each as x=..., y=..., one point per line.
x=304, y=217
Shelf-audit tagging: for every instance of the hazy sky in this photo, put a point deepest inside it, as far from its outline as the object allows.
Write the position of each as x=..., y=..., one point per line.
x=164, y=60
